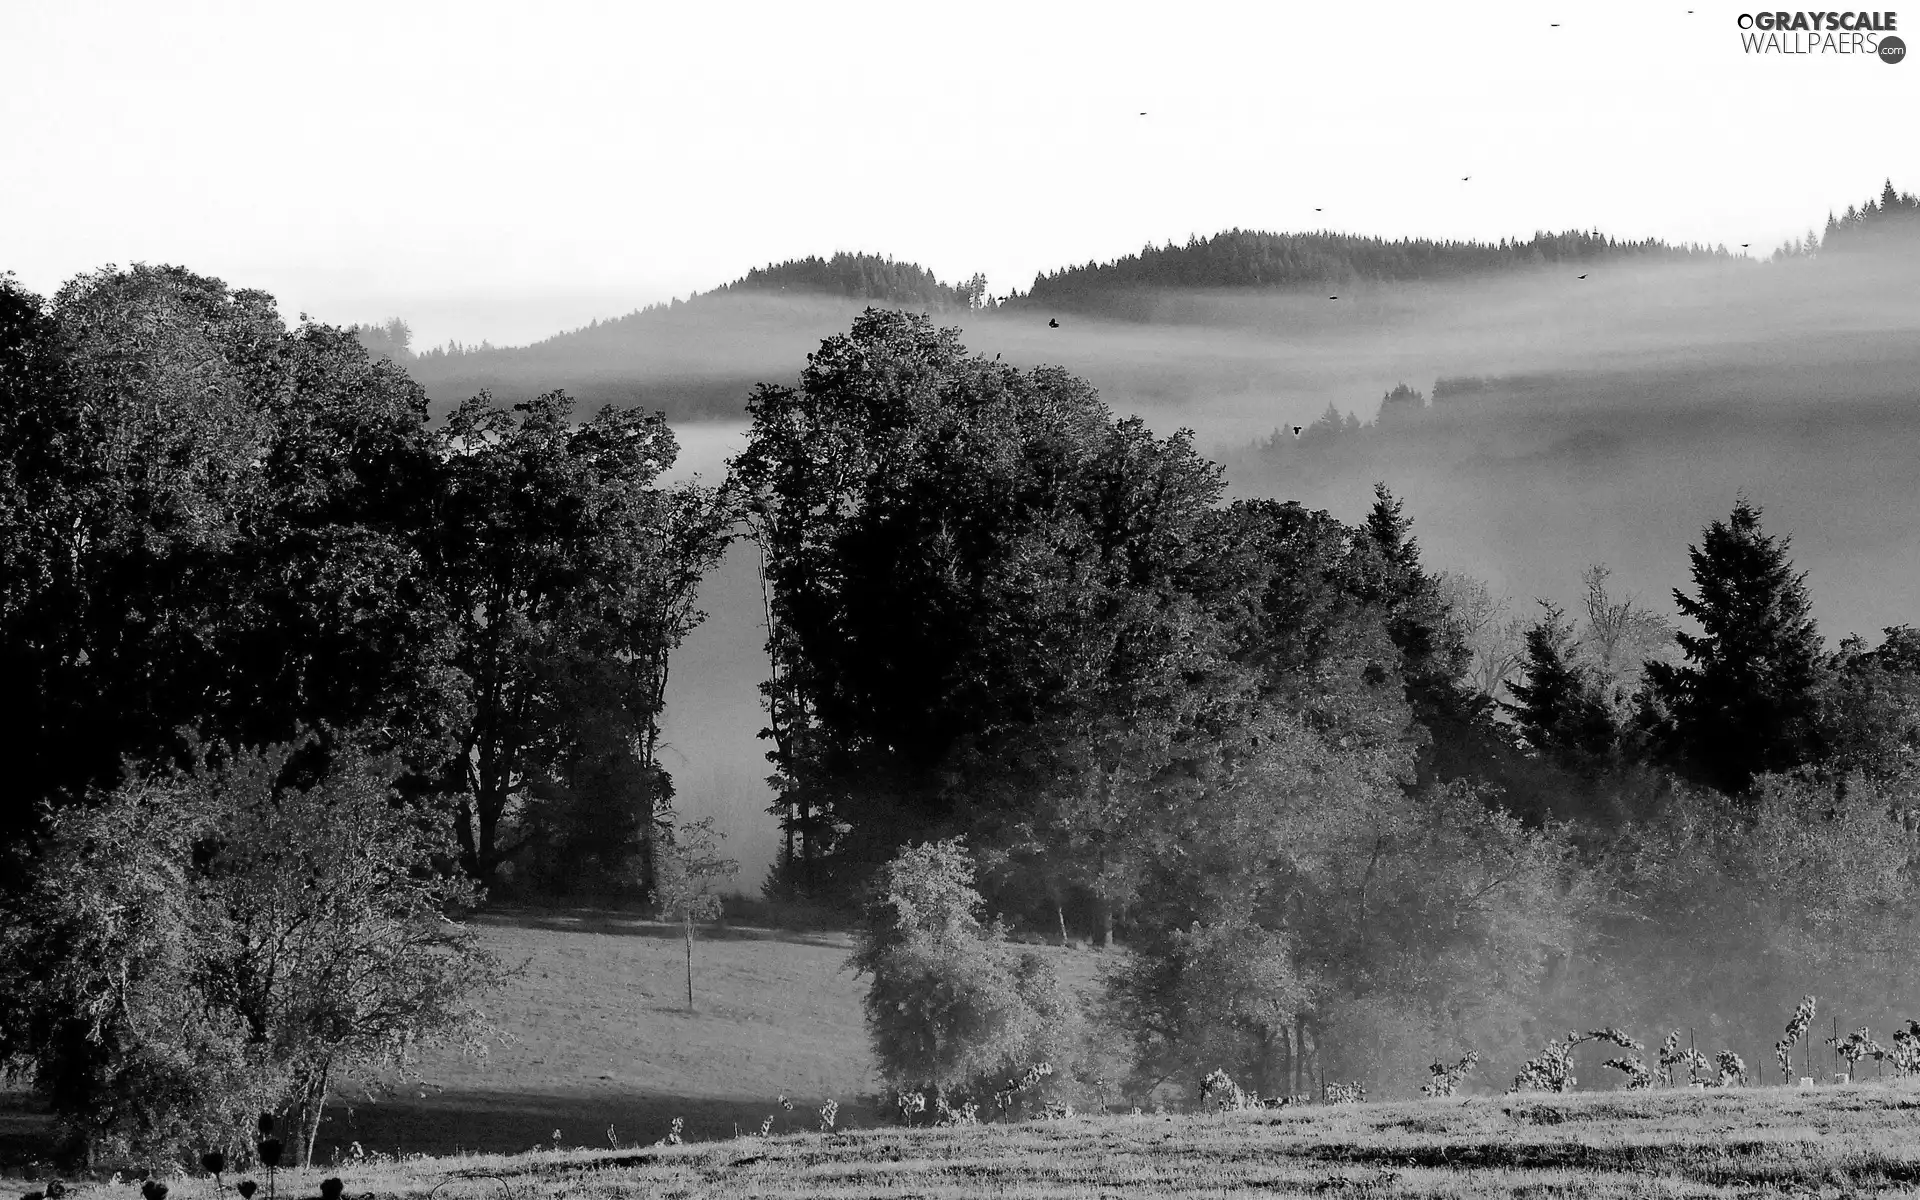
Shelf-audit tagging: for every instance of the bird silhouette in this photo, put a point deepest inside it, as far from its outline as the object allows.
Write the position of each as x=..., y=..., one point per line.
x=1583, y=277
x=1464, y=178
x=1333, y=297
x=1143, y=114
x=1555, y=25
x=1052, y=324
x=1296, y=431
x=1744, y=245
x=1319, y=210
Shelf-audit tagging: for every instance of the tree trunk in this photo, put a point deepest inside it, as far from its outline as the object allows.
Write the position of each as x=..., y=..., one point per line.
x=463, y=832
x=646, y=859
x=317, y=1100
x=1103, y=926
x=1299, y=1052
x=689, y=933
x=807, y=846
x=489, y=826
x=1286, y=1060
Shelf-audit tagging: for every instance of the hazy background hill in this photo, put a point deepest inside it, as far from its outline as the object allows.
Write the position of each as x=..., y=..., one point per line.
x=1596, y=419
x=694, y=359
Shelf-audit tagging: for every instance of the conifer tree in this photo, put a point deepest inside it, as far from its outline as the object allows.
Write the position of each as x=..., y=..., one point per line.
x=1746, y=699
x=1561, y=710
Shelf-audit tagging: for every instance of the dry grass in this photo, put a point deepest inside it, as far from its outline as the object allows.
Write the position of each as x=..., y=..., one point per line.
x=1738, y=1143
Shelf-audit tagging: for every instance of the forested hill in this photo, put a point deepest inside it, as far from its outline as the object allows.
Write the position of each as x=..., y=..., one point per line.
x=863, y=277
x=695, y=358
x=867, y=278
x=1247, y=258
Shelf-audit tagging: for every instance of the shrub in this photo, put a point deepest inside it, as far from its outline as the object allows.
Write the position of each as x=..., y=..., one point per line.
x=1732, y=1069
x=949, y=1008
x=228, y=940
x=1218, y=1091
x=1446, y=1079
x=1552, y=1069
x=1796, y=1029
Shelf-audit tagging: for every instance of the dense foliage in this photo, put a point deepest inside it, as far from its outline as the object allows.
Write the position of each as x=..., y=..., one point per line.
x=216, y=531
x=950, y=1007
x=204, y=945
x=1339, y=827
x=219, y=527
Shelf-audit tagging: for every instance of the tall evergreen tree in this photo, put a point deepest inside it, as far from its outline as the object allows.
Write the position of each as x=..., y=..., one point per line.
x=1746, y=700
x=1561, y=711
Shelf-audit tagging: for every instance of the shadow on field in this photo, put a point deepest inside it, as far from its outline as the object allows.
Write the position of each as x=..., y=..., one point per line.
x=621, y=924
x=455, y=1123
x=25, y=1127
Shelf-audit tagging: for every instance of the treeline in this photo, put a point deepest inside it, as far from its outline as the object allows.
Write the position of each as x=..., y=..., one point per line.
x=1894, y=220
x=1401, y=409
x=217, y=529
x=864, y=277
x=1281, y=759
x=1242, y=258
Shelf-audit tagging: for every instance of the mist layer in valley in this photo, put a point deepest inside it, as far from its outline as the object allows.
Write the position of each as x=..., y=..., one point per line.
x=1576, y=420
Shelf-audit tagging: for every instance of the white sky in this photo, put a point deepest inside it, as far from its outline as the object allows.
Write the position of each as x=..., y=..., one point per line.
x=503, y=171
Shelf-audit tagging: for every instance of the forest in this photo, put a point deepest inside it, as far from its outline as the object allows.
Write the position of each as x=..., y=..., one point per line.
x=302, y=667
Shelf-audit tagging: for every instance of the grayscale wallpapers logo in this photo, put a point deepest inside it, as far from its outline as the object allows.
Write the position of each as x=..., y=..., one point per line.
x=1867, y=34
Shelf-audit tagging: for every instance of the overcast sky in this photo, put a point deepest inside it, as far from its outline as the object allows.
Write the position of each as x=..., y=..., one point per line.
x=503, y=171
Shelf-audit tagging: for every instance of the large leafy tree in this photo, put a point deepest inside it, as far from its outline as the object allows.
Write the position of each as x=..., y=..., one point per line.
x=955, y=550
x=1870, y=707
x=570, y=575
x=1746, y=699
x=212, y=523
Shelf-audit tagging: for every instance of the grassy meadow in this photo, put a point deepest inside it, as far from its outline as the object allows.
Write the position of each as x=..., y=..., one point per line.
x=595, y=1032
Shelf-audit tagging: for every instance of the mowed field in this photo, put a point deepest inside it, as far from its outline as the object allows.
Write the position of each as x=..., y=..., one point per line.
x=594, y=1039
x=1834, y=1141
x=594, y=1031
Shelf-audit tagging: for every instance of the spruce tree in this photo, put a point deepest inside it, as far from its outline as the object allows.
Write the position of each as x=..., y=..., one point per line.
x=1746, y=700
x=1561, y=710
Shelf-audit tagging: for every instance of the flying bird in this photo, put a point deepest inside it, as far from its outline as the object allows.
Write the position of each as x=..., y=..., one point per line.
x=1583, y=277
x=1464, y=178
x=1296, y=431
x=1333, y=297
x=1052, y=324
x=1744, y=245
